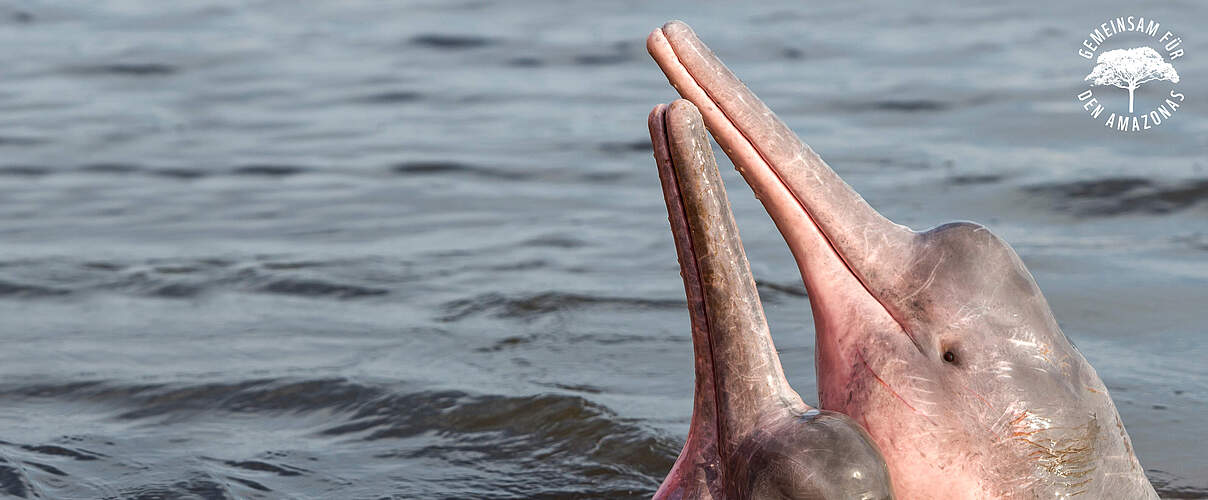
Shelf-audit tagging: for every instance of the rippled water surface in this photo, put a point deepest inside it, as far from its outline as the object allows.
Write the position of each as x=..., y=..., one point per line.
x=370, y=249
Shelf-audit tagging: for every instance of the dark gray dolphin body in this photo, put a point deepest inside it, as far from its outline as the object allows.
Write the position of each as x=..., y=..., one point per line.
x=751, y=435
x=938, y=342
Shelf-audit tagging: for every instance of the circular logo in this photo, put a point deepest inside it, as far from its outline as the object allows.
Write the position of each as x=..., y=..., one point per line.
x=1136, y=56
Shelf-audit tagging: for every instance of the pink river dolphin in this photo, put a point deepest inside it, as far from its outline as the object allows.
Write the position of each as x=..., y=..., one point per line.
x=751, y=435
x=939, y=343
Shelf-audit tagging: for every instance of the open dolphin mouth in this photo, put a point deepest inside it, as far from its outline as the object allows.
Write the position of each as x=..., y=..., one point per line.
x=844, y=248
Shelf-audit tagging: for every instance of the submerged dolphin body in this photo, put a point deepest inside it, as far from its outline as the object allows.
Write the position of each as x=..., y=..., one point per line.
x=938, y=342
x=751, y=436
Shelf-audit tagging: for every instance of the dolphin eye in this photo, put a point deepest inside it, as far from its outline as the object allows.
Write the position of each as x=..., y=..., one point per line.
x=949, y=357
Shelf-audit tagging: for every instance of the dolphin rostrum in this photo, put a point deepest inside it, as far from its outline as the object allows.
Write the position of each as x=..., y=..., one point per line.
x=751, y=435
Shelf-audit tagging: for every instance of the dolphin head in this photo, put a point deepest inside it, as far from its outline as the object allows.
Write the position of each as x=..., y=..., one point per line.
x=938, y=342
x=751, y=435
x=945, y=349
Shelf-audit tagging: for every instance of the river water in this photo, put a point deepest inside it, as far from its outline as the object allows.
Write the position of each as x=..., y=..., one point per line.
x=358, y=249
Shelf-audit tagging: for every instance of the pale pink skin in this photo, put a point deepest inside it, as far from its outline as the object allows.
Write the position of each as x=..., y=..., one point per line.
x=1014, y=412
x=751, y=435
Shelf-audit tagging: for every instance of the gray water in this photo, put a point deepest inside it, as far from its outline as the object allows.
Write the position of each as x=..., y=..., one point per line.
x=374, y=250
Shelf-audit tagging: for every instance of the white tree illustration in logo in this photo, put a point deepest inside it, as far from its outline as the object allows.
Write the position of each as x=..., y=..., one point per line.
x=1129, y=68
